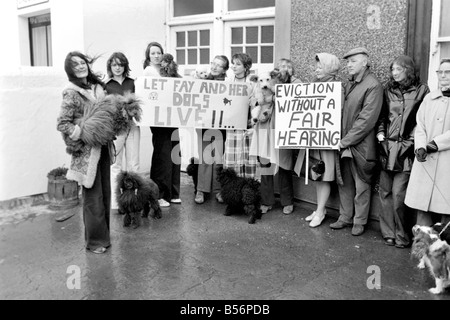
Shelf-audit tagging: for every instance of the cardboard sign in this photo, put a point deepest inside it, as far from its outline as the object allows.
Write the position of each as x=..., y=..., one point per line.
x=308, y=115
x=182, y=103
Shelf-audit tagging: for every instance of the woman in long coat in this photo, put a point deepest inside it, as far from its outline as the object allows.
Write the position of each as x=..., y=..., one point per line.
x=429, y=186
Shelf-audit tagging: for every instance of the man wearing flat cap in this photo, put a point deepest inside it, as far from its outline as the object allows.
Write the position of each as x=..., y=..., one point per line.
x=362, y=106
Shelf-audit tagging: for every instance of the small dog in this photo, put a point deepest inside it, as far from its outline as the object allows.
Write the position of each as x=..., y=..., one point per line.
x=192, y=170
x=136, y=194
x=169, y=68
x=262, y=102
x=200, y=73
x=242, y=195
x=434, y=254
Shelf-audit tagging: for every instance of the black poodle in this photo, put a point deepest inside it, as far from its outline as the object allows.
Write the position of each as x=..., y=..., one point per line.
x=242, y=195
x=192, y=170
x=169, y=67
x=136, y=194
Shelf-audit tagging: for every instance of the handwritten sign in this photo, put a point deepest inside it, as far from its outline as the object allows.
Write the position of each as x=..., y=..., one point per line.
x=308, y=115
x=182, y=103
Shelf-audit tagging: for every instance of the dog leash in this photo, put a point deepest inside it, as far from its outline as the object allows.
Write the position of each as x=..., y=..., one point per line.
x=445, y=228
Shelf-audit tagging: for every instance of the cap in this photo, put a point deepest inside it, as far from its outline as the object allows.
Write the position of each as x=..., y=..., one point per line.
x=360, y=50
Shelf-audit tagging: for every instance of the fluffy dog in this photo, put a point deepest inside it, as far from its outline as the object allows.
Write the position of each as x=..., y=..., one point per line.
x=262, y=101
x=169, y=68
x=240, y=194
x=200, y=73
x=434, y=254
x=136, y=194
x=192, y=170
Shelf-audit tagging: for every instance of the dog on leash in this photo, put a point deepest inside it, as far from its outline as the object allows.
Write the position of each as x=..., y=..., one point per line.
x=242, y=195
x=136, y=196
x=434, y=254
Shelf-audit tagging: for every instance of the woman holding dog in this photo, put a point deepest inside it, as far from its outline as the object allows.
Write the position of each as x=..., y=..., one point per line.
x=429, y=184
x=127, y=145
x=211, y=144
x=90, y=167
x=164, y=170
x=403, y=95
x=237, y=144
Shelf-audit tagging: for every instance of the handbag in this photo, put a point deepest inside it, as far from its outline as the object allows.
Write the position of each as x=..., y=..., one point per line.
x=316, y=168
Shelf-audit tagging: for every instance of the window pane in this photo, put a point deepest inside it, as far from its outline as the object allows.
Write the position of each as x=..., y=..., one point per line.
x=204, y=37
x=192, y=38
x=249, y=4
x=39, y=44
x=253, y=53
x=192, y=56
x=181, y=57
x=237, y=35
x=267, y=54
x=236, y=50
x=181, y=39
x=187, y=8
x=445, y=50
x=49, y=45
x=267, y=34
x=204, y=56
x=252, y=34
x=445, y=21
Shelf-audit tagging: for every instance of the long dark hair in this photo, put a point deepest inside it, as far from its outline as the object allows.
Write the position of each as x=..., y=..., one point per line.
x=91, y=78
x=147, y=52
x=412, y=76
x=123, y=61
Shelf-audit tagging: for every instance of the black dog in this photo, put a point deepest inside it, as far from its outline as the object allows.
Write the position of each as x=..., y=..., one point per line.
x=136, y=194
x=242, y=195
x=192, y=170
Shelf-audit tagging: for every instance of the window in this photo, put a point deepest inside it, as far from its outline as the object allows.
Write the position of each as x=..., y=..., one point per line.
x=234, y=5
x=193, y=47
x=192, y=7
x=256, y=41
x=40, y=40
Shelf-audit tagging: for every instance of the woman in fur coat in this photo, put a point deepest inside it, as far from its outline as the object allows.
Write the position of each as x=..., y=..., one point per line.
x=90, y=164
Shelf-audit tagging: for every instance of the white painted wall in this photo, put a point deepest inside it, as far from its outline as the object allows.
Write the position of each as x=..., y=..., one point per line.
x=30, y=97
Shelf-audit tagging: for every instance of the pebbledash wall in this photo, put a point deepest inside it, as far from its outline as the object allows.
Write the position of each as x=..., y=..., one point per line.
x=30, y=97
x=337, y=27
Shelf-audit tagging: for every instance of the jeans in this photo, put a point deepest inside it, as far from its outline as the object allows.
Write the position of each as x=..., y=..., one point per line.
x=393, y=217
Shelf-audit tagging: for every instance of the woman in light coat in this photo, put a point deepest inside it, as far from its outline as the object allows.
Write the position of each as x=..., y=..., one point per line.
x=429, y=186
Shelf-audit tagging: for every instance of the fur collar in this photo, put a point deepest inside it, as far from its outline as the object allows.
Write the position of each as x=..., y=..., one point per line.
x=92, y=95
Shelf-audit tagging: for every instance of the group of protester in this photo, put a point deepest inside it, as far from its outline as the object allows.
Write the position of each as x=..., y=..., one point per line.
x=402, y=126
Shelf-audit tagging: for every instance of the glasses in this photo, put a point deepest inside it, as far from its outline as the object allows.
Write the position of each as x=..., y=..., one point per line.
x=442, y=72
x=213, y=64
x=116, y=65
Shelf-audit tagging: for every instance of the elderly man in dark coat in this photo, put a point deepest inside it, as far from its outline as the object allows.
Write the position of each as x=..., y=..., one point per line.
x=362, y=107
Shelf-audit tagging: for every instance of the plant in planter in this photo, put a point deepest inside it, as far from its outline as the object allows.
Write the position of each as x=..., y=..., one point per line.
x=62, y=193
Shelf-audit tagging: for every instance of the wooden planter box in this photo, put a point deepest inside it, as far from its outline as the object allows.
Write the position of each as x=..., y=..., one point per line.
x=62, y=193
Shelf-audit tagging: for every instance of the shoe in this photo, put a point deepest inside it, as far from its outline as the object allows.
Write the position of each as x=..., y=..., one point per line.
x=177, y=201
x=400, y=245
x=265, y=208
x=288, y=209
x=339, y=225
x=199, y=197
x=317, y=220
x=389, y=242
x=358, y=229
x=163, y=203
x=99, y=250
x=310, y=217
x=219, y=198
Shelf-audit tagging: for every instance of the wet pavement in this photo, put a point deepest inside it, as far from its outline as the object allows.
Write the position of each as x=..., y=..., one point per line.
x=196, y=253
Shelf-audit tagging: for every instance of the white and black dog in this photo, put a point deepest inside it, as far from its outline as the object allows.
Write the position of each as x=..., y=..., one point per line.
x=433, y=251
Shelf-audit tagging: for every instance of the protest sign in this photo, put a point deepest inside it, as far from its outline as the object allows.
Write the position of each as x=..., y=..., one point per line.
x=308, y=115
x=182, y=103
